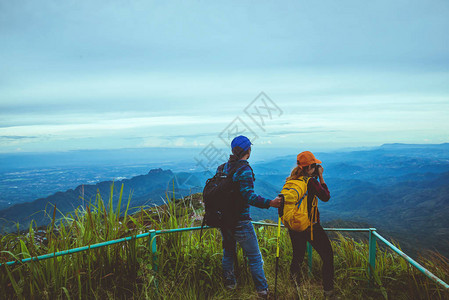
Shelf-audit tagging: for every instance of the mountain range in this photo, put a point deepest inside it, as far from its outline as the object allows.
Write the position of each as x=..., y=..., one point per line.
x=398, y=188
x=149, y=189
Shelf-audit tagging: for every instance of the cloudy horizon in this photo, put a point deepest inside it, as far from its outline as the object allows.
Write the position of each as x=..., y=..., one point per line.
x=93, y=75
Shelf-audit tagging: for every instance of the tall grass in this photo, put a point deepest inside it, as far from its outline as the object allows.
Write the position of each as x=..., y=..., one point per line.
x=188, y=267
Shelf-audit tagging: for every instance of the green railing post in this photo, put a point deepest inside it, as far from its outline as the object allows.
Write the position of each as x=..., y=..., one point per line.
x=153, y=247
x=372, y=254
x=309, y=257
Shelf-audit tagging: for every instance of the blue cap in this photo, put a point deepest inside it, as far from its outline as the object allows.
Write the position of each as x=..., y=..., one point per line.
x=242, y=142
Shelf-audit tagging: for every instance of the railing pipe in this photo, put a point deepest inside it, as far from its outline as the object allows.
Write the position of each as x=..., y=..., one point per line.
x=75, y=250
x=99, y=245
x=412, y=262
x=326, y=229
x=348, y=229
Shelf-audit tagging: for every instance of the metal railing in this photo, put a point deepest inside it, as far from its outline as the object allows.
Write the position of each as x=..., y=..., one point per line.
x=373, y=236
x=372, y=244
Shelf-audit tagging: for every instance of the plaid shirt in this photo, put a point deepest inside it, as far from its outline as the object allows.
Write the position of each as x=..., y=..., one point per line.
x=245, y=177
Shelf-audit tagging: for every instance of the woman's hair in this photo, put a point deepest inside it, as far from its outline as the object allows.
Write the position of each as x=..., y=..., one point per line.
x=297, y=172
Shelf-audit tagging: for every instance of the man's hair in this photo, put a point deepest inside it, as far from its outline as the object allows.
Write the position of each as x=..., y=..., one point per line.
x=238, y=153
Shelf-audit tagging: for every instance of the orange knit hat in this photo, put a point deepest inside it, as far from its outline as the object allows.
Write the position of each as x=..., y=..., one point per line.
x=306, y=158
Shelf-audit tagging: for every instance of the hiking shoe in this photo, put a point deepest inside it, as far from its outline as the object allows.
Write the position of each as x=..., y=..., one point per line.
x=262, y=294
x=230, y=284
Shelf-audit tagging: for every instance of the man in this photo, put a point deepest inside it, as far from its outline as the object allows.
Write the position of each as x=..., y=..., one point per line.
x=244, y=231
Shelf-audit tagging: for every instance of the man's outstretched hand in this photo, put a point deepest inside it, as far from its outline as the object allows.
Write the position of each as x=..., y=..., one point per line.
x=276, y=202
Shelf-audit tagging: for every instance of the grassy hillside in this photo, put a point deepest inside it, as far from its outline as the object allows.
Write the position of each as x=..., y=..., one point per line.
x=187, y=268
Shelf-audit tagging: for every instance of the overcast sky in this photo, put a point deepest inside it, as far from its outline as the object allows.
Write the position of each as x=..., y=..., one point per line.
x=125, y=74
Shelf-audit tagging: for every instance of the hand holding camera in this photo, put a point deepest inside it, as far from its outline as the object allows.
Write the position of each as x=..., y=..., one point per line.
x=318, y=171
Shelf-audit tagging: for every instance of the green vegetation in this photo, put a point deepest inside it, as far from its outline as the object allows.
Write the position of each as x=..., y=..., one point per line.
x=187, y=267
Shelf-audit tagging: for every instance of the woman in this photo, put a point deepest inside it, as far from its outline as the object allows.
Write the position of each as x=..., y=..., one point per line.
x=301, y=216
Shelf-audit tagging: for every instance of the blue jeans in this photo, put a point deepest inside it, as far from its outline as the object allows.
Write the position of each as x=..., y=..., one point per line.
x=246, y=236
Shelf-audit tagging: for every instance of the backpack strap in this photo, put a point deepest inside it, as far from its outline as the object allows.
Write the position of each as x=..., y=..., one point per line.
x=298, y=204
x=313, y=217
x=314, y=209
x=221, y=167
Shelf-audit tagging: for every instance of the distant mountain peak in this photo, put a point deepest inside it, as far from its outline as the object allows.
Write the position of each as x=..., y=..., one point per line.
x=158, y=171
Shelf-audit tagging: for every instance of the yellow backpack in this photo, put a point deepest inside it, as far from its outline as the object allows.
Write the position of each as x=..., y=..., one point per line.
x=296, y=215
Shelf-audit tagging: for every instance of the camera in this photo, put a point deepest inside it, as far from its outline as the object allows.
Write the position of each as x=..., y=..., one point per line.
x=315, y=173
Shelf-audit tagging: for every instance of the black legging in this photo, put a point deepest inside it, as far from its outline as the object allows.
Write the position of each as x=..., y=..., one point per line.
x=321, y=244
